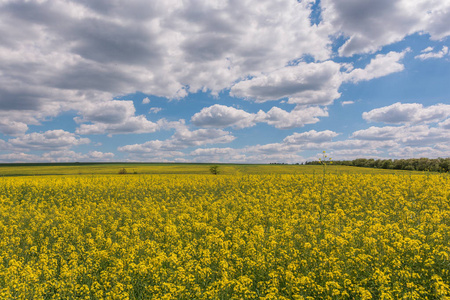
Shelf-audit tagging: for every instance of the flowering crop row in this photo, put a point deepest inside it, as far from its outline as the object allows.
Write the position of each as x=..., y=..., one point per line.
x=225, y=237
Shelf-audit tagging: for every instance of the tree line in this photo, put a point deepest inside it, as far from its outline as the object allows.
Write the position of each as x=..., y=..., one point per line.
x=413, y=164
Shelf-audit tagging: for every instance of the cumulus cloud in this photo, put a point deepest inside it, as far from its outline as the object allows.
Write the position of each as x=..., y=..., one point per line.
x=182, y=138
x=428, y=54
x=287, y=151
x=136, y=124
x=12, y=127
x=369, y=25
x=77, y=56
x=298, y=117
x=356, y=144
x=221, y=116
x=352, y=153
x=419, y=126
x=405, y=135
x=314, y=83
x=57, y=156
x=374, y=142
x=305, y=83
x=155, y=110
x=427, y=49
x=343, y=103
x=254, y=154
x=214, y=151
x=66, y=52
x=3, y=145
x=71, y=156
x=378, y=133
x=381, y=65
x=445, y=124
x=415, y=152
x=109, y=112
x=218, y=155
x=113, y=117
x=18, y=157
x=311, y=136
x=408, y=113
x=49, y=140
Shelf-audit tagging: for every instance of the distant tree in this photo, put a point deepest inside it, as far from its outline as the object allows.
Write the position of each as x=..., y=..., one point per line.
x=214, y=170
x=123, y=171
x=443, y=164
x=387, y=164
x=411, y=164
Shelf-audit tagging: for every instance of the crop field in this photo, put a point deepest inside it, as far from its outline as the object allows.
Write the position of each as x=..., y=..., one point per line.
x=174, y=168
x=318, y=235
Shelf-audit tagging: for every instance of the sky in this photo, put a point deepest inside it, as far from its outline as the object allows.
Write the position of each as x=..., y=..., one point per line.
x=226, y=81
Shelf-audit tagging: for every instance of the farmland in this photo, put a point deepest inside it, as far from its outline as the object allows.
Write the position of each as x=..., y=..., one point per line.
x=174, y=168
x=298, y=233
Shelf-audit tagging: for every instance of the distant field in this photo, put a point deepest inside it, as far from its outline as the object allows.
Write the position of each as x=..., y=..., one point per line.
x=168, y=168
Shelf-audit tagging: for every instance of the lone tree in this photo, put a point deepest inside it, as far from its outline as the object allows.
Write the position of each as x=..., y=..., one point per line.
x=214, y=170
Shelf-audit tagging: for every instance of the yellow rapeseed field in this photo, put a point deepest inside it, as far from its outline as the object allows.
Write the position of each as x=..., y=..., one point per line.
x=327, y=236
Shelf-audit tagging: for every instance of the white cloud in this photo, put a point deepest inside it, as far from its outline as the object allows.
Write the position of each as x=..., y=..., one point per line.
x=138, y=124
x=352, y=153
x=255, y=154
x=221, y=116
x=408, y=113
x=381, y=65
x=97, y=155
x=417, y=152
x=428, y=54
x=311, y=136
x=427, y=49
x=71, y=156
x=270, y=149
x=374, y=142
x=57, y=156
x=3, y=145
x=12, y=127
x=378, y=133
x=18, y=157
x=280, y=157
x=155, y=110
x=218, y=155
x=298, y=117
x=404, y=135
x=49, y=140
x=313, y=83
x=108, y=112
x=182, y=138
x=146, y=100
x=77, y=55
x=113, y=117
x=67, y=54
x=272, y=153
x=424, y=135
x=362, y=145
x=445, y=124
x=369, y=25
x=343, y=103
x=214, y=152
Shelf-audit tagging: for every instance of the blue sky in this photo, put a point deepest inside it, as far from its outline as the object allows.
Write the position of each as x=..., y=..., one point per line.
x=223, y=81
